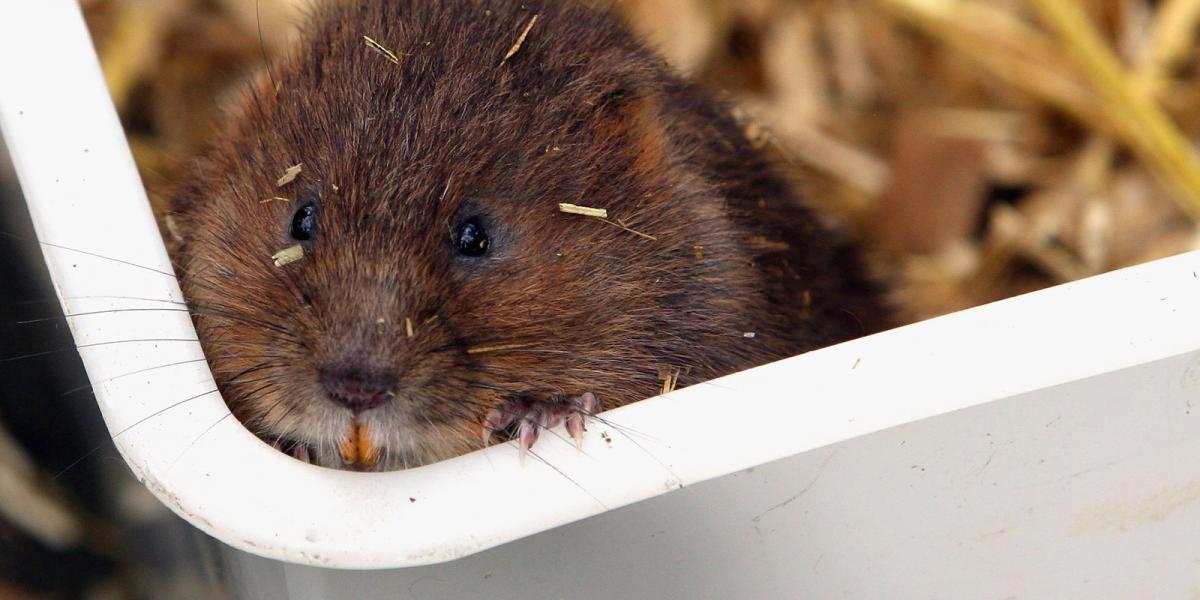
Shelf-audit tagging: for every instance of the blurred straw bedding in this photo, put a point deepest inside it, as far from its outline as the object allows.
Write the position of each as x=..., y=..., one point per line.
x=980, y=149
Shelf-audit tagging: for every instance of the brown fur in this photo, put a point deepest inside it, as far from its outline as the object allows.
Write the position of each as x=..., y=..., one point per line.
x=398, y=154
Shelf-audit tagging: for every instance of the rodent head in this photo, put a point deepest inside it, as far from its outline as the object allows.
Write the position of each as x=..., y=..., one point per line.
x=438, y=277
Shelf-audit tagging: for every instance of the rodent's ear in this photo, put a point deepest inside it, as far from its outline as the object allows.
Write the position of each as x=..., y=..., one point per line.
x=632, y=119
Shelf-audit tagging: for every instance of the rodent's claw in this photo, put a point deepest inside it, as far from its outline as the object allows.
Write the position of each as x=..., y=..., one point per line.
x=527, y=434
x=589, y=406
x=531, y=416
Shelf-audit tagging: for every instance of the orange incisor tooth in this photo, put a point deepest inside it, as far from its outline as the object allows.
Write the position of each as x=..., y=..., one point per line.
x=368, y=453
x=349, y=447
x=357, y=448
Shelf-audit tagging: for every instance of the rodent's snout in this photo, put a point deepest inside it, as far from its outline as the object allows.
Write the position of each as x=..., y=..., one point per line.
x=356, y=390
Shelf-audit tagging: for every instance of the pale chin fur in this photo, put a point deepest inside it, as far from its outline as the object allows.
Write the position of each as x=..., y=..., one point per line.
x=324, y=438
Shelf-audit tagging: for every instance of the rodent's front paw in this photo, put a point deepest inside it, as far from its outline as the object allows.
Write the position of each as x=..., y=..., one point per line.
x=523, y=418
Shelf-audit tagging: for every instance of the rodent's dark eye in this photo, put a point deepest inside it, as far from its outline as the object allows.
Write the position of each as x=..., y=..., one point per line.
x=304, y=222
x=471, y=239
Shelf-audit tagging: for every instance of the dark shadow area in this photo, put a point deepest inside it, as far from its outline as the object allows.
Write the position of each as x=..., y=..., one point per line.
x=114, y=540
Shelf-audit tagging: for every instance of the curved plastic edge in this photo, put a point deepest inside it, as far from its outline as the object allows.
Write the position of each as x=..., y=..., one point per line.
x=157, y=396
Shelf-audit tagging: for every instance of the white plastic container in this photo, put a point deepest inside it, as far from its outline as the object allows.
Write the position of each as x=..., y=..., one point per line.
x=1043, y=446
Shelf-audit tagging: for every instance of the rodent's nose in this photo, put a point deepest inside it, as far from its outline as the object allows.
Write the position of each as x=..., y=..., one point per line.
x=358, y=391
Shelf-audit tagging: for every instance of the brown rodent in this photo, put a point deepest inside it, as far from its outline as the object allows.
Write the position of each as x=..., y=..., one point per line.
x=442, y=296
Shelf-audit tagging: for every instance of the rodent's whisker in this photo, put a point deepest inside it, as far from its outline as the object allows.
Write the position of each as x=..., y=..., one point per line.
x=145, y=370
x=252, y=369
x=498, y=348
x=198, y=438
x=56, y=302
x=92, y=345
x=92, y=254
x=254, y=391
x=161, y=411
x=257, y=423
x=490, y=386
x=618, y=427
x=567, y=477
x=246, y=382
x=100, y=312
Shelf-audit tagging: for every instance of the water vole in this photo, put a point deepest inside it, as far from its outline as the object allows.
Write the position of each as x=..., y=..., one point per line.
x=432, y=292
